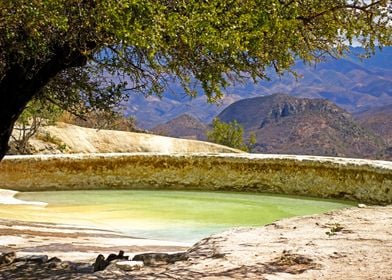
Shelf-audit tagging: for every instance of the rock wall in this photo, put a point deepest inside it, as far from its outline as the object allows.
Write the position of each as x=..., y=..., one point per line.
x=362, y=180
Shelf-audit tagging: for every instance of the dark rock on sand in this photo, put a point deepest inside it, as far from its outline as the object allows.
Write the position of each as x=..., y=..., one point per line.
x=101, y=263
x=160, y=258
x=40, y=259
x=7, y=258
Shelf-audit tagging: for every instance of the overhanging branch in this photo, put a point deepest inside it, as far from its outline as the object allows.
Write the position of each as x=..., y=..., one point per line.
x=365, y=9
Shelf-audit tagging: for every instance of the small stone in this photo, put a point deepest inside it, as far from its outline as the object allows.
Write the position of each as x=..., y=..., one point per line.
x=64, y=265
x=54, y=259
x=84, y=268
x=119, y=256
x=160, y=258
x=52, y=265
x=130, y=265
x=39, y=259
x=361, y=205
x=100, y=263
x=7, y=258
x=19, y=264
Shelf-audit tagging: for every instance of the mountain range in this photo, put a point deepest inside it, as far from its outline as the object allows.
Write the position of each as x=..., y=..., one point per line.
x=351, y=83
x=184, y=126
x=285, y=124
x=378, y=120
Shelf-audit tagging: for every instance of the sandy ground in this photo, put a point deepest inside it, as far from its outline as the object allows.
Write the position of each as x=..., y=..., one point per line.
x=353, y=243
x=73, y=243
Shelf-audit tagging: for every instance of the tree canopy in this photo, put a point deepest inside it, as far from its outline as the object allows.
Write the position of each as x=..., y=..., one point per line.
x=68, y=51
x=230, y=134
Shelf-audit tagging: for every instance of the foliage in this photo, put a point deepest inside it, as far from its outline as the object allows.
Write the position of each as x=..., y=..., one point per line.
x=90, y=54
x=49, y=138
x=228, y=134
x=33, y=117
x=147, y=44
x=252, y=141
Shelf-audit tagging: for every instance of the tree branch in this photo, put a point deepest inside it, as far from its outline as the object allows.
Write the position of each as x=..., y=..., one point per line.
x=307, y=20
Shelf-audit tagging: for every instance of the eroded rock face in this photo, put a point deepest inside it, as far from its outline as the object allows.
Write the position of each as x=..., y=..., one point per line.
x=363, y=180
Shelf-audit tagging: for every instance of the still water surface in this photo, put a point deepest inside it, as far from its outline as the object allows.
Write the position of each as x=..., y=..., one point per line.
x=169, y=215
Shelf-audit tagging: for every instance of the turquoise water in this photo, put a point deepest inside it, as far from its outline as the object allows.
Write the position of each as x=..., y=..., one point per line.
x=169, y=215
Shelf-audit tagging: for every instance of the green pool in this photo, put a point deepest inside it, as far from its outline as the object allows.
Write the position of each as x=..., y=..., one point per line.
x=170, y=215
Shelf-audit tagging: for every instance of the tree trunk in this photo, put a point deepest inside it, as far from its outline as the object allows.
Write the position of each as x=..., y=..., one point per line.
x=17, y=88
x=7, y=121
x=13, y=99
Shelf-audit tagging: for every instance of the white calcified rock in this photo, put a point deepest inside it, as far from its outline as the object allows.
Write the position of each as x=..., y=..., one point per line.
x=7, y=197
x=129, y=265
x=78, y=139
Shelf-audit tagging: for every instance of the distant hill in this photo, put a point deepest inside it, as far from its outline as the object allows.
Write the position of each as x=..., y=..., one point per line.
x=184, y=126
x=379, y=121
x=351, y=83
x=289, y=125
